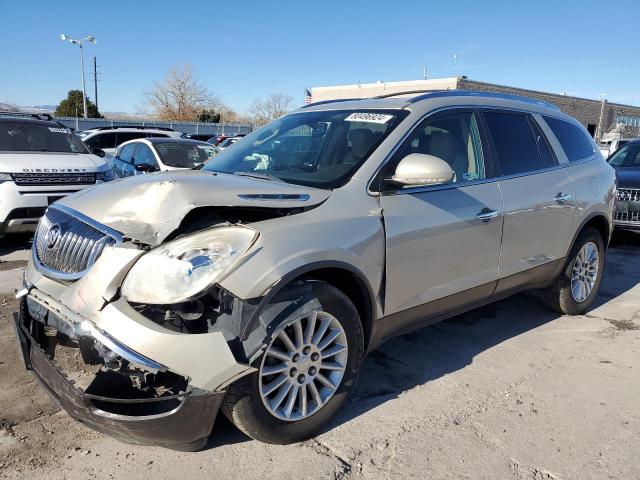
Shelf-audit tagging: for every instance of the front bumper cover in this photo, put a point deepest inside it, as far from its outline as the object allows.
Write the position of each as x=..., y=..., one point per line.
x=180, y=422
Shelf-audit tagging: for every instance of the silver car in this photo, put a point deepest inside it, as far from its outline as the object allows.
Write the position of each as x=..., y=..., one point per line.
x=258, y=283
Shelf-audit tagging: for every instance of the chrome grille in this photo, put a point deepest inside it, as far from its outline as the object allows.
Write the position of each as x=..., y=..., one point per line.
x=627, y=205
x=79, y=178
x=67, y=243
x=628, y=194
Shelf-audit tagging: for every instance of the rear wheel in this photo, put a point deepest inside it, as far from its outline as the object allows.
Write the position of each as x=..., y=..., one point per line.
x=310, y=364
x=577, y=286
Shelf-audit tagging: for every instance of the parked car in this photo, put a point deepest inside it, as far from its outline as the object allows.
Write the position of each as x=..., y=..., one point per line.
x=159, y=154
x=218, y=139
x=41, y=161
x=258, y=283
x=203, y=137
x=227, y=142
x=626, y=161
x=109, y=138
x=609, y=147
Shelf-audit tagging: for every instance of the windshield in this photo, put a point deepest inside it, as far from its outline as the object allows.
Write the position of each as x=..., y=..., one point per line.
x=34, y=137
x=318, y=149
x=228, y=142
x=627, y=156
x=185, y=155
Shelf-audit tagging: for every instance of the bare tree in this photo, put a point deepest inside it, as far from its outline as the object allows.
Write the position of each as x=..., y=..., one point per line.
x=274, y=106
x=182, y=97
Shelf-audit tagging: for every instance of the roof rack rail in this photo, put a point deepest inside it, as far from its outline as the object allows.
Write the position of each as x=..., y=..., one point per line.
x=322, y=102
x=409, y=92
x=139, y=127
x=37, y=116
x=476, y=93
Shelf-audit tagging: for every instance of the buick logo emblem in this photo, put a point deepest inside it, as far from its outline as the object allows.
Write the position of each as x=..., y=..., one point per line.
x=53, y=236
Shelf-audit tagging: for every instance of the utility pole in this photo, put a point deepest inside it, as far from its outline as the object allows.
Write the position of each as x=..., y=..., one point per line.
x=603, y=97
x=95, y=83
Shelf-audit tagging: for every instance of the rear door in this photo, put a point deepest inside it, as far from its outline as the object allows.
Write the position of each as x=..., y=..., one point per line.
x=538, y=194
x=443, y=242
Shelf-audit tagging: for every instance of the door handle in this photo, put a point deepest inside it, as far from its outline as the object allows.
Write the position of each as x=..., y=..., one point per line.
x=485, y=215
x=560, y=198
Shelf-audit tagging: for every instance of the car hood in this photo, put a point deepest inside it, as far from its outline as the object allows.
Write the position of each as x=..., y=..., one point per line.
x=49, y=162
x=148, y=208
x=628, y=177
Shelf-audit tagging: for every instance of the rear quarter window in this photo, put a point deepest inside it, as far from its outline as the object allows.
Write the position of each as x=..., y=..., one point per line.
x=572, y=139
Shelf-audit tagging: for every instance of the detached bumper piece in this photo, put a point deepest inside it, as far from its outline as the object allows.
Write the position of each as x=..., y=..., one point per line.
x=121, y=400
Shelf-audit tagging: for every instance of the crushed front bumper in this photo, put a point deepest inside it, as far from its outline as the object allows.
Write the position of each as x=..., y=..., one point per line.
x=180, y=422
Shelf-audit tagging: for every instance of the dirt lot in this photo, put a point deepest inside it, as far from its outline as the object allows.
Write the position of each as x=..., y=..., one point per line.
x=508, y=391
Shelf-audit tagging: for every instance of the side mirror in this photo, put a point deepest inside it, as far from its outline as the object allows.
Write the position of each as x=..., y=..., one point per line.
x=145, y=168
x=418, y=169
x=98, y=151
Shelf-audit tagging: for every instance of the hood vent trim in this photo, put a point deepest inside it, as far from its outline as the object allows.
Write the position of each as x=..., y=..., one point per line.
x=303, y=197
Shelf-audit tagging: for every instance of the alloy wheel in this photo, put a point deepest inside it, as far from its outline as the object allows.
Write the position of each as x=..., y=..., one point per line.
x=585, y=272
x=303, y=366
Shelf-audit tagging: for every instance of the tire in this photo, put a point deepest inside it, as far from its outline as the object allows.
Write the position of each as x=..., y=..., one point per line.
x=247, y=409
x=559, y=296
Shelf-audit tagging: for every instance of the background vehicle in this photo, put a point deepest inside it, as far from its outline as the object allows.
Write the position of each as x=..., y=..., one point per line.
x=220, y=138
x=157, y=154
x=626, y=161
x=108, y=138
x=609, y=147
x=41, y=161
x=203, y=137
x=258, y=283
x=227, y=142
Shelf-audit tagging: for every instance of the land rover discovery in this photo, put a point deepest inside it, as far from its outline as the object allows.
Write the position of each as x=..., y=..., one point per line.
x=258, y=283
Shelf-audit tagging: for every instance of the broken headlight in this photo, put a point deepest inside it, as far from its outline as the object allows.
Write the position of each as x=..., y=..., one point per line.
x=181, y=269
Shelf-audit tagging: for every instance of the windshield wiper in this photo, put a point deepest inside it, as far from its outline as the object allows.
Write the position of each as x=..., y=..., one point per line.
x=262, y=176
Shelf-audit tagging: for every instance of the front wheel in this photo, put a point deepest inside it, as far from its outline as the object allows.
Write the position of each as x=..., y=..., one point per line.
x=308, y=368
x=577, y=286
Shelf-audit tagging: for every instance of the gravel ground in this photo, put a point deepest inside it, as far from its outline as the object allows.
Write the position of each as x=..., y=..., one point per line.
x=508, y=391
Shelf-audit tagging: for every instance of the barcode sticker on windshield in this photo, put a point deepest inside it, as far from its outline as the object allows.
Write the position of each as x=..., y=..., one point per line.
x=59, y=130
x=368, y=117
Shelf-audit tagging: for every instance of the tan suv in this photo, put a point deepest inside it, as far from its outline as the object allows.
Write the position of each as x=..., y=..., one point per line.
x=259, y=282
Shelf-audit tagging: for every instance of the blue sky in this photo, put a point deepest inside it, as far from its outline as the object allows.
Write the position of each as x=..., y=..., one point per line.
x=247, y=49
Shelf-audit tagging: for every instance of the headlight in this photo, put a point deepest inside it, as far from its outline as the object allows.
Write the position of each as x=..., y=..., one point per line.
x=5, y=177
x=106, y=175
x=183, y=268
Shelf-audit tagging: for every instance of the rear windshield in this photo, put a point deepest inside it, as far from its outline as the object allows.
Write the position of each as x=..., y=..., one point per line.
x=185, y=155
x=33, y=137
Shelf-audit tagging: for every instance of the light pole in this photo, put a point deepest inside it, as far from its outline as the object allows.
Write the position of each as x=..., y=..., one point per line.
x=603, y=99
x=79, y=42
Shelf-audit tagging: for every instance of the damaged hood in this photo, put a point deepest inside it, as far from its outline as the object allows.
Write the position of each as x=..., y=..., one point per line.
x=148, y=208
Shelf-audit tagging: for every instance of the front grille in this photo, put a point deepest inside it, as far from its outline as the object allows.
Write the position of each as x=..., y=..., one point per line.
x=627, y=205
x=26, y=179
x=67, y=244
x=628, y=194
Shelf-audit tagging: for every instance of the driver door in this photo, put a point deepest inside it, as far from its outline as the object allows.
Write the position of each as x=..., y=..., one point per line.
x=443, y=242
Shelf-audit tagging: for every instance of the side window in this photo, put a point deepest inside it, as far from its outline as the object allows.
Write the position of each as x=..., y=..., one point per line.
x=126, y=153
x=453, y=137
x=126, y=136
x=156, y=135
x=573, y=140
x=514, y=142
x=102, y=140
x=144, y=156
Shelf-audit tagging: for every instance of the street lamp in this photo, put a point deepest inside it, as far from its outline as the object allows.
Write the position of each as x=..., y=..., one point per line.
x=90, y=39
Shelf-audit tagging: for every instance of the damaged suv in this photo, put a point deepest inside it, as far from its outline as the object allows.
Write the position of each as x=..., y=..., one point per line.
x=257, y=283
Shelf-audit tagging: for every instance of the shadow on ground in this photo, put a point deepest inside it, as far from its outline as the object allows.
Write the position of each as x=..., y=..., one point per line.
x=432, y=352
x=14, y=243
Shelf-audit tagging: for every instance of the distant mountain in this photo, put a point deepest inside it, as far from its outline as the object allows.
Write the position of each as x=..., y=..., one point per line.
x=12, y=107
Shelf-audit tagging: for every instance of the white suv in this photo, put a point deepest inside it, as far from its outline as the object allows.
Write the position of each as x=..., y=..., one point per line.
x=109, y=138
x=41, y=161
